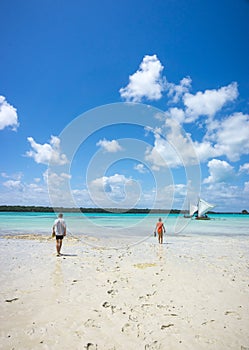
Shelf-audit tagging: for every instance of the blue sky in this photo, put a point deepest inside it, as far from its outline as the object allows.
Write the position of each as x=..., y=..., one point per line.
x=188, y=60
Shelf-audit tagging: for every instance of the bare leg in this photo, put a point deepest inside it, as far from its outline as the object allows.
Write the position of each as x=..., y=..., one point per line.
x=58, y=246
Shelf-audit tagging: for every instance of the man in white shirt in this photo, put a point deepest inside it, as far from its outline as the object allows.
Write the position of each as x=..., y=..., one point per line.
x=60, y=230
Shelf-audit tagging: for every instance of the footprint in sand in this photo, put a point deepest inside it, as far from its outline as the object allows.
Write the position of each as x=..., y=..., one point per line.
x=91, y=323
x=106, y=304
x=91, y=346
x=133, y=318
x=112, y=291
x=233, y=313
x=167, y=325
x=10, y=300
x=147, y=296
x=153, y=346
x=131, y=329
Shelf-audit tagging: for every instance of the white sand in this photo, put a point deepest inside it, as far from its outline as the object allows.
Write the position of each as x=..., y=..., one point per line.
x=191, y=293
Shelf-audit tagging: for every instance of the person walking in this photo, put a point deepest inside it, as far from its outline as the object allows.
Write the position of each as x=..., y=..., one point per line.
x=59, y=230
x=160, y=230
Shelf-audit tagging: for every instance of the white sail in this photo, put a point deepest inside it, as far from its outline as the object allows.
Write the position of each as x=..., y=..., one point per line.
x=192, y=209
x=204, y=207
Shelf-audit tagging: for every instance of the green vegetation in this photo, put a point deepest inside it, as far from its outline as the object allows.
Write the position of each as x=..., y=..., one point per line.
x=37, y=209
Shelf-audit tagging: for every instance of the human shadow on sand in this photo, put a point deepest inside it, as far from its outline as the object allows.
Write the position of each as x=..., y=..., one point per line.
x=68, y=255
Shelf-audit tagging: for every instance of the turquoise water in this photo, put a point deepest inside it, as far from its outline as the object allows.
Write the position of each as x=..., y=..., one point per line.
x=105, y=225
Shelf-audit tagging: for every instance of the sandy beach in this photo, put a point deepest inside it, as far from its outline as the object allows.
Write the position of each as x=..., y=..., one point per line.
x=188, y=293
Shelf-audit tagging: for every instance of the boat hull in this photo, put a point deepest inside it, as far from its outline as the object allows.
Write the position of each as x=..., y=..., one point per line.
x=202, y=218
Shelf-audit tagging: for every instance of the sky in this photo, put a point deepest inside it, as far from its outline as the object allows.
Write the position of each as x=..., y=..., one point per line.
x=125, y=103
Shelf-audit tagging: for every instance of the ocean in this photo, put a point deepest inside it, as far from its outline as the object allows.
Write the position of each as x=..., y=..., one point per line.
x=122, y=225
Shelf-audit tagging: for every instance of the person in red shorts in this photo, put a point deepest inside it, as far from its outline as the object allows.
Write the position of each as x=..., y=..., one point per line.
x=160, y=229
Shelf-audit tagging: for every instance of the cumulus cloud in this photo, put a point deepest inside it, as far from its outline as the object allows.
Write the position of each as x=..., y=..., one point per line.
x=161, y=154
x=55, y=179
x=140, y=168
x=206, y=150
x=109, y=146
x=175, y=92
x=147, y=82
x=232, y=136
x=169, y=196
x=244, y=168
x=8, y=115
x=176, y=114
x=13, y=184
x=47, y=153
x=17, y=191
x=59, y=188
x=172, y=148
x=228, y=137
x=111, y=184
x=115, y=190
x=209, y=102
x=220, y=171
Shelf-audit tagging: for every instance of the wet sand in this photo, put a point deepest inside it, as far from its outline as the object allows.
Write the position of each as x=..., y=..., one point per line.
x=189, y=293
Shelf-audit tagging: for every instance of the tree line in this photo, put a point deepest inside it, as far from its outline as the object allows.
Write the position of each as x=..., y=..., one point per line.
x=44, y=209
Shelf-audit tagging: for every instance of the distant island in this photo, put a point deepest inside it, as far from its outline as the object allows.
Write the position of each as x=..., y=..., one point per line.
x=44, y=209
x=37, y=209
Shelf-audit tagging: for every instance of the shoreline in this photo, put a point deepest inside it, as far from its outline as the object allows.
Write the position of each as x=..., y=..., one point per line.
x=189, y=293
x=54, y=210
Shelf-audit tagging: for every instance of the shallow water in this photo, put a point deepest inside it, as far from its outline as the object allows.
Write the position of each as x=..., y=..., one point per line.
x=113, y=225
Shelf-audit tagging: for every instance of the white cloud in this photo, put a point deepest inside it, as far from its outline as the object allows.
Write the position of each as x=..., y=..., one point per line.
x=205, y=150
x=18, y=192
x=111, y=184
x=225, y=197
x=55, y=180
x=161, y=154
x=176, y=114
x=16, y=176
x=246, y=186
x=36, y=188
x=177, y=91
x=140, y=168
x=229, y=137
x=146, y=82
x=208, y=103
x=172, y=149
x=5, y=175
x=13, y=184
x=232, y=136
x=59, y=189
x=169, y=196
x=82, y=199
x=47, y=153
x=8, y=115
x=115, y=190
x=220, y=171
x=244, y=168
x=110, y=146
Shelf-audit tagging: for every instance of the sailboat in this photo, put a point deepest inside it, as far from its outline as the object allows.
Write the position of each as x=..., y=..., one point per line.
x=200, y=209
x=192, y=209
x=203, y=208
